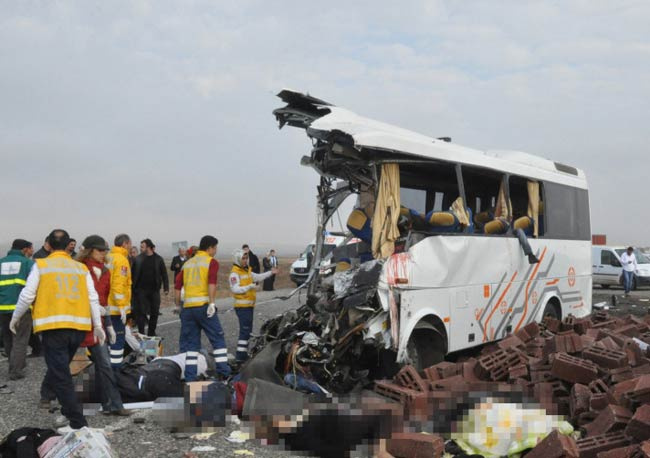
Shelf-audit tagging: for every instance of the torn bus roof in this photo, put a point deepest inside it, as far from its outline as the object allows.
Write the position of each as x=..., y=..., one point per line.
x=328, y=123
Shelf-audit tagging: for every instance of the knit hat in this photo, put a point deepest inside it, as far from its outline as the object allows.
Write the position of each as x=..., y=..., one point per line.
x=95, y=241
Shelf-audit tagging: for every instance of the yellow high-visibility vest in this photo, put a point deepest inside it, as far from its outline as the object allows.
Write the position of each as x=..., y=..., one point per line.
x=246, y=299
x=62, y=297
x=195, y=280
x=119, y=296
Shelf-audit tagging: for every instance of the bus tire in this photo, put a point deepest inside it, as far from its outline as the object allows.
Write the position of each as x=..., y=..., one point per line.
x=425, y=348
x=552, y=309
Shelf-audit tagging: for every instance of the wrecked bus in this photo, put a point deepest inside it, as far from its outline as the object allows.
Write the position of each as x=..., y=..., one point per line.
x=457, y=247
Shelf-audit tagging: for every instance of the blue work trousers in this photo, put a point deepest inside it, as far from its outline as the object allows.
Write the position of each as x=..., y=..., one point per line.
x=193, y=321
x=245, y=317
x=59, y=346
x=116, y=350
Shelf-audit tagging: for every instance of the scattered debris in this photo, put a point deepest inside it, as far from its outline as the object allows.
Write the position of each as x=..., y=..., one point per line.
x=243, y=452
x=203, y=448
x=238, y=437
x=82, y=443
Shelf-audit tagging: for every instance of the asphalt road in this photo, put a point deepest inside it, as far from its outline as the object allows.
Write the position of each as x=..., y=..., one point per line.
x=152, y=440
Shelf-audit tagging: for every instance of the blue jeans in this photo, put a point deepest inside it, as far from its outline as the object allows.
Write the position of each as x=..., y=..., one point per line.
x=117, y=349
x=59, y=346
x=105, y=379
x=627, y=280
x=245, y=317
x=193, y=321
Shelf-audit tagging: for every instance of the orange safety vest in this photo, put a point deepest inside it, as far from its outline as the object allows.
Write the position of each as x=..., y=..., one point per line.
x=195, y=280
x=62, y=297
x=248, y=298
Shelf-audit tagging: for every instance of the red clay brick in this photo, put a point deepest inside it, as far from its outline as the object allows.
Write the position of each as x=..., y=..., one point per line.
x=415, y=445
x=572, y=369
x=518, y=371
x=605, y=357
x=494, y=366
x=589, y=447
x=555, y=445
x=579, y=399
x=621, y=452
x=408, y=377
x=639, y=425
x=644, y=448
x=611, y=418
x=629, y=330
x=528, y=332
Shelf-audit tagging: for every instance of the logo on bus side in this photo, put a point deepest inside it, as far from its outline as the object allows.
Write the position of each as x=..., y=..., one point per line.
x=572, y=277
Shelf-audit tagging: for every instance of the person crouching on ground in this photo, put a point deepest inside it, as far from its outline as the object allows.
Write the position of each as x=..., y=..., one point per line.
x=93, y=256
x=243, y=284
x=66, y=306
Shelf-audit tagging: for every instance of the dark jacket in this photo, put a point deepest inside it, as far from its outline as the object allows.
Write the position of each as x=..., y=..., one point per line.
x=253, y=262
x=13, y=275
x=177, y=264
x=42, y=253
x=160, y=274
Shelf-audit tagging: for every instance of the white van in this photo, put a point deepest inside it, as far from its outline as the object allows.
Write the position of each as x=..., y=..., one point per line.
x=299, y=270
x=470, y=245
x=607, y=267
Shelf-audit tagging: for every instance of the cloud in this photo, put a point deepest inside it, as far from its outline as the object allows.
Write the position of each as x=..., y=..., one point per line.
x=155, y=118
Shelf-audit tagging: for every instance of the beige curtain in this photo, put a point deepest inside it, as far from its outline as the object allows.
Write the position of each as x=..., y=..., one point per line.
x=533, y=204
x=458, y=209
x=503, y=209
x=387, y=207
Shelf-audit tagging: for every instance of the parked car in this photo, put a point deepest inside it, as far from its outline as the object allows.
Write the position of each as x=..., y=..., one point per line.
x=299, y=270
x=606, y=266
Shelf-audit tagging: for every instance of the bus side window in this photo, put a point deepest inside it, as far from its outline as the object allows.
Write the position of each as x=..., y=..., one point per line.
x=527, y=208
x=484, y=185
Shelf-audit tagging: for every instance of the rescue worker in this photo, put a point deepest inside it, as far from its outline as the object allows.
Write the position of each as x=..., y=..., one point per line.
x=243, y=282
x=199, y=312
x=66, y=307
x=14, y=269
x=93, y=256
x=119, y=296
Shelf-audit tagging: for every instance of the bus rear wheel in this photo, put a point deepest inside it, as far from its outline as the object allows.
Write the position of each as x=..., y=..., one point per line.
x=425, y=348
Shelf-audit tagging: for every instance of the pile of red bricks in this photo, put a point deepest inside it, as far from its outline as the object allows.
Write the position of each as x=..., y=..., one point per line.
x=588, y=370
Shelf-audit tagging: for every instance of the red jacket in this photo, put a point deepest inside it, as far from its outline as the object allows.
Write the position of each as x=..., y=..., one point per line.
x=102, y=286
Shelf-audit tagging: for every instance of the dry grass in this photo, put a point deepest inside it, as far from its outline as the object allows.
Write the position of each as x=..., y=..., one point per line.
x=282, y=280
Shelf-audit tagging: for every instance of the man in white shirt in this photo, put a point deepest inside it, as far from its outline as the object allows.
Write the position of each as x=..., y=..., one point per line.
x=628, y=260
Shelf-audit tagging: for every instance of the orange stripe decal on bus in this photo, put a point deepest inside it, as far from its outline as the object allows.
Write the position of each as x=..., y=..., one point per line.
x=446, y=319
x=553, y=282
x=523, y=316
x=496, y=306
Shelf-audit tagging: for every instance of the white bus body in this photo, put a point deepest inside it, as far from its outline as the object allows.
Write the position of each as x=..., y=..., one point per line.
x=456, y=290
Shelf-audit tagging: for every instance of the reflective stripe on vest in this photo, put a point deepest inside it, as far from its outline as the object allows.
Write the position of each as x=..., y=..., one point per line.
x=62, y=297
x=246, y=299
x=13, y=281
x=195, y=280
x=8, y=307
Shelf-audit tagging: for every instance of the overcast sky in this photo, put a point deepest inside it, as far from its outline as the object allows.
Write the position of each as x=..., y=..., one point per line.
x=154, y=117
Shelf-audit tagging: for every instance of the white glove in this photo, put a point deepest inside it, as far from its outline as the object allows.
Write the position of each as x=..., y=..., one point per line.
x=99, y=334
x=112, y=337
x=123, y=315
x=103, y=311
x=13, y=324
x=212, y=309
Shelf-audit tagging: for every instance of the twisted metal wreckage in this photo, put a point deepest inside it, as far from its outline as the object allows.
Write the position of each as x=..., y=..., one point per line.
x=344, y=336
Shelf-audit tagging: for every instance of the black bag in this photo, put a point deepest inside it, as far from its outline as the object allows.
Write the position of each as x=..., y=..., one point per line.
x=161, y=378
x=24, y=442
